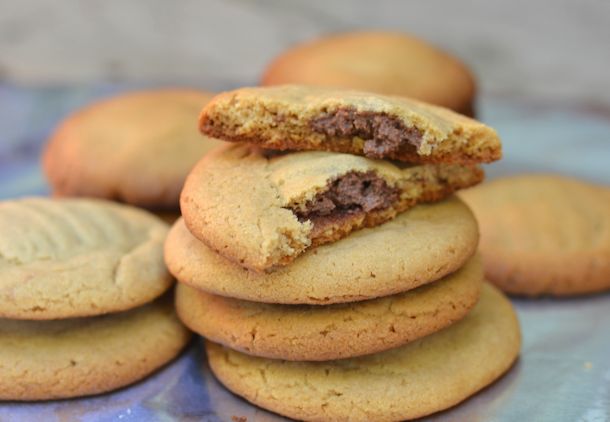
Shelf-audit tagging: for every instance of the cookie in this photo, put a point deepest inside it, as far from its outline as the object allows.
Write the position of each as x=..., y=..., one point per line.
x=419, y=246
x=135, y=148
x=78, y=257
x=381, y=62
x=42, y=360
x=544, y=234
x=423, y=377
x=313, y=333
x=282, y=204
x=355, y=122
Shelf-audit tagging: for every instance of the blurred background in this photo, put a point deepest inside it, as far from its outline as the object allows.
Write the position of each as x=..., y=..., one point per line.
x=553, y=50
x=58, y=55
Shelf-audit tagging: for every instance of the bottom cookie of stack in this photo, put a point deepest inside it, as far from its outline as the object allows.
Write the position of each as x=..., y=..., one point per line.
x=41, y=360
x=82, y=309
x=423, y=377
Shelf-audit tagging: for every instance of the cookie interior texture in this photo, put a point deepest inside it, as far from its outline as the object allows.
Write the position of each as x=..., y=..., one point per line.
x=359, y=199
x=544, y=234
x=43, y=360
x=383, y=135
x=64, y=258
x=423, y=377
x=303, y=200
x=347, y=197
x=316, y=333
x=308, y=118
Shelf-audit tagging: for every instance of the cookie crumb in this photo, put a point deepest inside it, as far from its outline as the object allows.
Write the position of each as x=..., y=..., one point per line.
x=239, y=419
x=587, y=366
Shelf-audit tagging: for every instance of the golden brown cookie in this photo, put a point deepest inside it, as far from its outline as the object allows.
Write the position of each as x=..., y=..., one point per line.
x=42, y=360
x=423, y=377
x=544, y=234
x=314, y=333
x=386, y=63
x=262, y=210
x=418, y=246
x=63, y=258
x=135, y=148
x=356, y=122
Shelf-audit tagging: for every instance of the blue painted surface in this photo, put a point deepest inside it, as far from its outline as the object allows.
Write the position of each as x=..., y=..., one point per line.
x=564, y=370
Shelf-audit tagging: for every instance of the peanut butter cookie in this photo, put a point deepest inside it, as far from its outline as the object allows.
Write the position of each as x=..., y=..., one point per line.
x=262, y=210
x=388, y=63
x=419, y=246
x=423, y=377
x=135, y=148
x=43, y=360
x=544, y=234
x=355, y=122
x=67, y=258
x=313, y=332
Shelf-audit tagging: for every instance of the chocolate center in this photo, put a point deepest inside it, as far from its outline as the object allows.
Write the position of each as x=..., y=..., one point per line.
x=382, y=133
x=351, y=193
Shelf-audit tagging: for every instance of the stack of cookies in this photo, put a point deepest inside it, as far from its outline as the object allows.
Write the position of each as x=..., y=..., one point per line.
x=322, y=255
x=83, y=302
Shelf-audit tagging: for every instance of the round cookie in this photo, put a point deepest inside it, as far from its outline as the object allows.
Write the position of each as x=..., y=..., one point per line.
x=67, y=258
x=42, y=360
x=135, y=148
x=283, y=204
x=300, y=117
x=426, y=376
x=380, y=62
x=314, y=333
x=418, y=246
x=544, y=234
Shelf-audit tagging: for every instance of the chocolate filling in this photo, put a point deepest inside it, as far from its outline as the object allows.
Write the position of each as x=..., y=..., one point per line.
x=350, y=194
x=383, y=134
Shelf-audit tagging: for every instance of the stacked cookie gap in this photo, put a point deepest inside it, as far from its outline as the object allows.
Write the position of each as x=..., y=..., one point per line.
x=84, y=302
x=331, y=281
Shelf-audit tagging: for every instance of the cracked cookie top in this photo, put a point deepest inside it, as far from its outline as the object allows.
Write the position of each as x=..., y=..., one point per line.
x=63, y=258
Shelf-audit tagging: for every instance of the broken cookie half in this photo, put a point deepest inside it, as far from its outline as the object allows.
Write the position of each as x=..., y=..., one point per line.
x=376, y=126
x=262, y=209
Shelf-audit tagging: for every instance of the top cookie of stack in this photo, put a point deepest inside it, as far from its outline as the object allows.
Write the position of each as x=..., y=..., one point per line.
x=282, y=204
x=326, y=119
